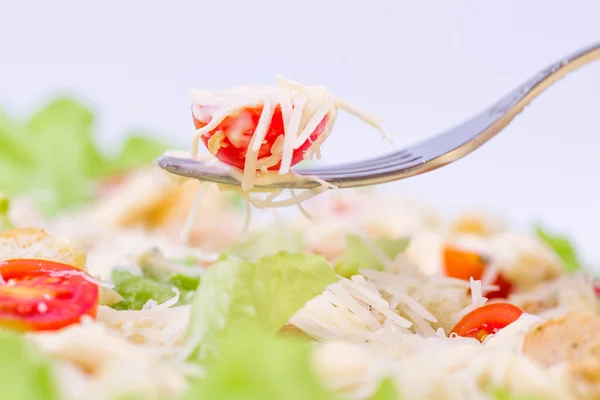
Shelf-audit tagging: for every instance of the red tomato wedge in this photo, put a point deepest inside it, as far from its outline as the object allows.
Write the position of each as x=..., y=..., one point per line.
x=464, y=265
x=42, y=295
x=230, y=139
x=487, y=320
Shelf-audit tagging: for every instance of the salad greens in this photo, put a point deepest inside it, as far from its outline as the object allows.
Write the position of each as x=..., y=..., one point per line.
x=358, y=255
x=503, y=394
x=386, y=390
x=264, y=294
x=26, y=374
x=136, y=290
x=267, y=242
x=563, y=248
x=254, y=365
x=5, y=222
x=54, y=155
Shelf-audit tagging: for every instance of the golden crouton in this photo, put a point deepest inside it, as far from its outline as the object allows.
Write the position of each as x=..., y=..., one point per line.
x=36, y=243
x=477, y=224
x=143, y=199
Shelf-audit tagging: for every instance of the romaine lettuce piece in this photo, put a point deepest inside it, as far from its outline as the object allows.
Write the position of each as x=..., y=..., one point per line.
x=563, y=248
x=54, y=154
x=136, y=290
x=267, y=293
x=358, y=255
x=268, y=242
x=25, y=372
x=253, y=365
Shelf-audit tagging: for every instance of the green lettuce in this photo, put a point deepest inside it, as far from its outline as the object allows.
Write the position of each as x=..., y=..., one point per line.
x=267, y=242
x=503, y=394
x=254, y=365
x=358, y=255
x=386, y=390
x=136, y=290
x=563, y=248
x=5, y=222
x=25, y=373
x=54, y=155
x=266, y=293
x=236, y=200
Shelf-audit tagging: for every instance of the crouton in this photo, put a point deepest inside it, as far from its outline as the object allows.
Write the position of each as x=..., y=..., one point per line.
x=36, y=243
x=143, y=199
x=475, y=223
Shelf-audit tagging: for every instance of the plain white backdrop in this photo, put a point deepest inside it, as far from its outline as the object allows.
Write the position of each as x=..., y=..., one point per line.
x=422, y=65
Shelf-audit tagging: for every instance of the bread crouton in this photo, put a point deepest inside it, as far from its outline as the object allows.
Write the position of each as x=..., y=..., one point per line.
x=36, y=243
x=142, y=199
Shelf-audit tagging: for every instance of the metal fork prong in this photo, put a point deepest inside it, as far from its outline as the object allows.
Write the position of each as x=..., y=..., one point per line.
x=365, y=167
x=399, y=155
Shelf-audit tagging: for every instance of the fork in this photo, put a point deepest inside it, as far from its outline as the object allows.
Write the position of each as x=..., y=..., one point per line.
x=422, y=157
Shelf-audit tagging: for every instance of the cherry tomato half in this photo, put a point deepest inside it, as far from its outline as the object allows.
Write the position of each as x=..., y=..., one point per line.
x=236, y=130
x=464, y=265
x=42, y=295
x=487, y=320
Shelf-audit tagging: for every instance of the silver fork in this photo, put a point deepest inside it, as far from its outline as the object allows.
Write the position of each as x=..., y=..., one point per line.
x=426, y=156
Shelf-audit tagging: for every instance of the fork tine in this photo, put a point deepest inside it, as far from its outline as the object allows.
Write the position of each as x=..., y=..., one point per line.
x=338, y=172
x=392, y=161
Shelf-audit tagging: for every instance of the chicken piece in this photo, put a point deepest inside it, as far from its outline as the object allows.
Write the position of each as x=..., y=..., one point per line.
x=570, y=292
x=523, y=259
x=571, y=340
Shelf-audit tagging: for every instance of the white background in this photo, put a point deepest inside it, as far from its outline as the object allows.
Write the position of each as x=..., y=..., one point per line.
x=423, y=65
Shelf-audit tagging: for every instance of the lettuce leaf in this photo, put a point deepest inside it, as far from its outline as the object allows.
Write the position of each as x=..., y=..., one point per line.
x=358, y=255
x=267, y=242
x=253, y=365
x=136, y=290
x=563, y=248
x=5, y=222
x=266, y=293
x=25, y=372
x=54, y=155
x=503, y=394
x=137, y=150
x=386, y=390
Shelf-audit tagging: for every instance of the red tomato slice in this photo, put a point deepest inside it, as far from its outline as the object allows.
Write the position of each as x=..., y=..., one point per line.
x=236, y=130
x=42, y=295
x=464, y=265
x=487, y=320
